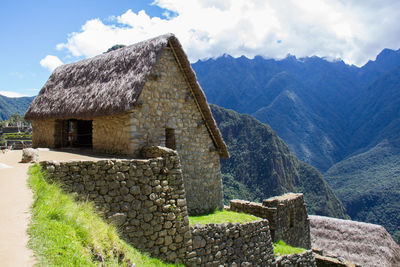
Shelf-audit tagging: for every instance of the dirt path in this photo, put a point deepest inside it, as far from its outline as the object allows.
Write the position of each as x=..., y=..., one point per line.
x=15, y=202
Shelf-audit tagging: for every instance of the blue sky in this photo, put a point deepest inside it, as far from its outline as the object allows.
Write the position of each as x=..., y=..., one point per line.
x=31, y=30
x=39, y=35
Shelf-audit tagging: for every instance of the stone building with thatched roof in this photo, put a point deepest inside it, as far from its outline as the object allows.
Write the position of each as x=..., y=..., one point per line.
x=139, y=95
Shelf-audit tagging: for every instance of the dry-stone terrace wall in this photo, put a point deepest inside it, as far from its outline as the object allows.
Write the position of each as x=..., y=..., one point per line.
x=247, y=244
x=287, y=216
x=144, y=198
x=305, y=259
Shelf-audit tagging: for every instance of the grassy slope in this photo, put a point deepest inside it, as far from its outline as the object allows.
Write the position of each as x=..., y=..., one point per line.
x=66, y=233
x=221, y=217
x=281, y=248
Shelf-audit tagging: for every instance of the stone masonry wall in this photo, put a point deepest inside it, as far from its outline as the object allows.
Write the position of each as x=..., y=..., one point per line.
x=256, y=209
x=287, y=216
x=166, y=102
x=43, y=133
x=145, y=199
x=305, y=259
x=292, y=223
x=247, y=244
x=111, y=134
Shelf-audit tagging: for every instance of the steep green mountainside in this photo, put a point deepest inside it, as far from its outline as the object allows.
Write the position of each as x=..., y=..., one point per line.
x=261, y=166
x=12, y=105
x=376, y=115
x=311, y=135
x=369, y=185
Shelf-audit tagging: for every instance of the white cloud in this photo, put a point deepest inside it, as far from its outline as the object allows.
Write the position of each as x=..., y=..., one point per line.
x=50, y=62
x=352, y=30
x=11, y=94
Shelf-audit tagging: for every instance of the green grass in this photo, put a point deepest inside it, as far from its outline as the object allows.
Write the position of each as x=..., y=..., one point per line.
x=281, y=248
x=222, y=217
x=68, y=233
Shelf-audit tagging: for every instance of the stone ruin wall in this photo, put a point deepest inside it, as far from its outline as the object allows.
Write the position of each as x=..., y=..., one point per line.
x=166, y=102
x=247, y=244
x=146, y=200
x=111, y=134
x=305, y=259
x=286, y=214
x=43, y=133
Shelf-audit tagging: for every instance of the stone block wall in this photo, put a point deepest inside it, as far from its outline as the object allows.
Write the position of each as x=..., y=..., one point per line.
x=111, y=134
x=287, y=216
x=256, y=209
x=247, y=244
x=145, y=199
x=167, y=104
x=43, y=133
x=292, y=223
x=305, y=259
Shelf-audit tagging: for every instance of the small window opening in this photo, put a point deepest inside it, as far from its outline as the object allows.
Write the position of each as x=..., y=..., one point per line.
x=291, y=217
x=170, y=138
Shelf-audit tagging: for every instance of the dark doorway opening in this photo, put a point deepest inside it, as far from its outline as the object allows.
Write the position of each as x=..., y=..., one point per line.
x=74, y=133
x=80, y=133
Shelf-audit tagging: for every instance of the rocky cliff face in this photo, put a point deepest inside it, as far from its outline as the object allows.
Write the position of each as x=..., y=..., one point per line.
x=261, y=166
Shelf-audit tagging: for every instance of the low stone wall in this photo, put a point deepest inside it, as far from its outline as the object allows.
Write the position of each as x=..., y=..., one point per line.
x=305, y=259
x=287, y=216
x=229, y=244
x=145, y=199
x=256, y=209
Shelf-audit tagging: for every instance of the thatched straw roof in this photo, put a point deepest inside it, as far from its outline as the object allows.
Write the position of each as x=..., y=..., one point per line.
x=364, y=244
x=111, y=83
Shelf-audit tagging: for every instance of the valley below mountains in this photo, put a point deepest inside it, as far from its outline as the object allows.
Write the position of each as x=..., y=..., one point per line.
x=344, y=120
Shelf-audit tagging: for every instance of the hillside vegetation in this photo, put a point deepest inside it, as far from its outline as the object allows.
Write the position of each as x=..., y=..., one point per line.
x=13, y=105
x=261, y=166
x=364, y=198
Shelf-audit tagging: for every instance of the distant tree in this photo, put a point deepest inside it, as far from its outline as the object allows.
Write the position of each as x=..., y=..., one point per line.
x=115, y=47
x=15, y=118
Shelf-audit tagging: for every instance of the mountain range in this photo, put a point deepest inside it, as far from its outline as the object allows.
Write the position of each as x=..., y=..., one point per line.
x=339, y=118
